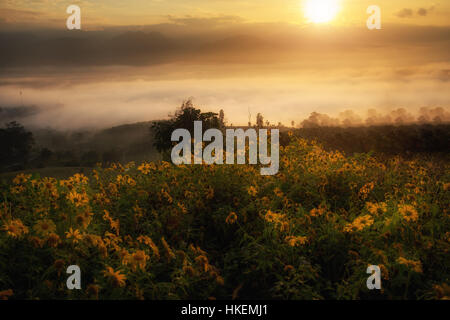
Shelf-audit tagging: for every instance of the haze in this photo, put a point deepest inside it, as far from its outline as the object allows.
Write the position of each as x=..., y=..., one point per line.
x=138, y=60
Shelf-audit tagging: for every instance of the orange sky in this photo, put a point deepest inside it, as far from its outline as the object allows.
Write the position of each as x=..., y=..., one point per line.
x=98, y=13
x=139, y=59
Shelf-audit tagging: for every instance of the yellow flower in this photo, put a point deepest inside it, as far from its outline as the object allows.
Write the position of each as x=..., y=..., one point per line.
x=44, y=227
x=210, y=193
x=296, y=241
x=53, y=240
x=78, y=199
x=5, y=294
x=317, y=212
x=278, y=192
x=359, y=224
x=74, y=234
x=183, y=208
x=442, y=291
x=21, y=178
x=376, y=208
x=271, y=216
x=252, y=191
x=138, y=259
x=145, y=168
x=36, y=241
x=166, y=195
x=278, y=219
x=84, y=219
x=289, y=268
x=115, y=224
x=366, y=189
x=220, y=281
x=408, y=212
x=17, y=189
x=188, y=270
x=232, y=217
x=79, y=178
x=149, y=242
x=202, y=261
x=170, y=254
x=415, y=265
x=117, y=279
x=15, y=228
x=131, y=181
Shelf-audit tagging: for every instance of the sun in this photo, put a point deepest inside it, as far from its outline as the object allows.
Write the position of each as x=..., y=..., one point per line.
x=321, y=11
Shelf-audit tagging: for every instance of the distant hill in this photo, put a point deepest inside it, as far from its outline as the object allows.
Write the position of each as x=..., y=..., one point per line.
x=129, y=142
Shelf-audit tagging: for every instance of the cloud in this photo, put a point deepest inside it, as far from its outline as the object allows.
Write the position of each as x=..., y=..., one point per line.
x=205, y=22
x=121, y=75
x=184, y=42
x=405, y=13
x=14, y=15
x=409, y=13
x=8, y=114
x=422, y=12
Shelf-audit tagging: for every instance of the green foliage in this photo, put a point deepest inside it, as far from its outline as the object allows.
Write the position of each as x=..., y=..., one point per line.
x=183, y=119
x=15, y=146
x=159, y=231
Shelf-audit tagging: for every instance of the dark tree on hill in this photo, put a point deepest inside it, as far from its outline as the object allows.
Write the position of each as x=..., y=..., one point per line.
x=15, y=146
x=183, y=118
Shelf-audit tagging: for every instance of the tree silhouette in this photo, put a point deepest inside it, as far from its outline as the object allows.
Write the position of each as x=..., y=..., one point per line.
x=183, y=118
x=15, y=146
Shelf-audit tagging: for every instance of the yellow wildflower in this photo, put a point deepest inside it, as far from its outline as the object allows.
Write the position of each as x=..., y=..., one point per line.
x=415, y=265
x=117, y=279
x=232, y=217
x=144, y=168
x=278, y=192
x=202, y=261
x=149, y=242
x=317, y=212
x=376, y=208
x=294, y=241
x=53, y=240
x=188, y=270
x=138, y=259
x=44, y=227
x=170, y=254
x=252, y=191
x=5, y=294
x=408, y=212
x=366, y=189
x=15, y=228
x=210, y=193
x=21, y=178
x=289, y=268
x=74, y=234
x=359, y=224
x=78, y=199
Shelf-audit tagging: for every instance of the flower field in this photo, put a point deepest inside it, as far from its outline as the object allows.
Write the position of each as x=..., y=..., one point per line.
x=159, y=231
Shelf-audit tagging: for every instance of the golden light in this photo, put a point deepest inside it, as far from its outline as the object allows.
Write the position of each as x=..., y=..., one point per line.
x=321, y=11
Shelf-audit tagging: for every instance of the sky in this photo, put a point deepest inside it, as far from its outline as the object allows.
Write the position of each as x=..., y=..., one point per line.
x=137, y=60
x=100, y=13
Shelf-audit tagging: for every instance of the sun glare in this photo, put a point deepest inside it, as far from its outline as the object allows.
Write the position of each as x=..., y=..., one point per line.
x=321, y=11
